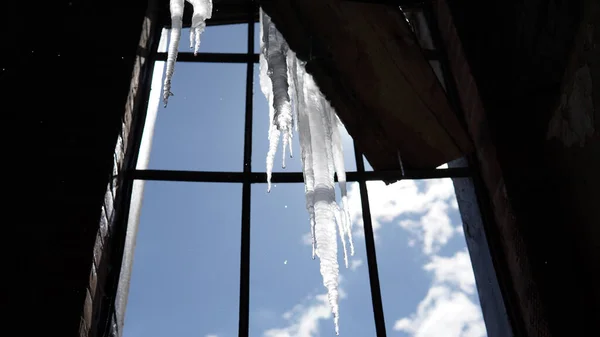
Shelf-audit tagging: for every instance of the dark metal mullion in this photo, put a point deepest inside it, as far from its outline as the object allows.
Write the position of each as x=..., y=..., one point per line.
x=370, y=247
x=293, y=177
x=244, y=303
x=212, y=57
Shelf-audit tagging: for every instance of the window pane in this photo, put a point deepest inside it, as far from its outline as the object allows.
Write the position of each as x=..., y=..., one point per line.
x=368, y=166
x=218, y=39
x=185, y=278
x=202, y=128
x=426, y=277
x=260, y=143
x=257, y=37
x=286, y=288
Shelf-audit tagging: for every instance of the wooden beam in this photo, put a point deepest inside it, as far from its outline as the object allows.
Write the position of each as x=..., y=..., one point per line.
x=366, y=61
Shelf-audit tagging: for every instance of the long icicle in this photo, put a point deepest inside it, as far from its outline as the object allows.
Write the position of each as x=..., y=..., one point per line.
x=305, y=146
x=202, y=12
x=176, y=8
x=296, y=103
x=324, y=195
x=340, y=170
x=274, y=83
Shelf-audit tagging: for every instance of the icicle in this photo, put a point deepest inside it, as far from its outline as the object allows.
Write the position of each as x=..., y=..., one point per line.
x=292, y=62
x=274, y=51
x=273, y=141
x=324, y=194
x=292, y=93
x=176, y=8
x=340, y=170
x=267, y=88
x=202, y=11
x=305, y=147
x=296, y=103
x=286, y=140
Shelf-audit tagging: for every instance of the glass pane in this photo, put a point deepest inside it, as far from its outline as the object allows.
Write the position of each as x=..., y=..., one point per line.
x=427, y=281
x=202, y=128
x=218, y=39
x=185, y=278
x=260, y=142
x=257, y=37
x=368, y=166
x=286, y=288
x=437, y=69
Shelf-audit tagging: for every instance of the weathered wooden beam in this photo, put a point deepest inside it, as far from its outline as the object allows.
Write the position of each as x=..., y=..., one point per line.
x=366, y=61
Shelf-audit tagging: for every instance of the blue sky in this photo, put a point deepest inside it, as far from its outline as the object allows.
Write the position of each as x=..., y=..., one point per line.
x=185, y=279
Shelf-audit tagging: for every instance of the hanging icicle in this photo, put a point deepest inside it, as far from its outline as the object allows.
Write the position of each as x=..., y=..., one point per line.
x=295, y=102
x=202, y=12
x=274, y=84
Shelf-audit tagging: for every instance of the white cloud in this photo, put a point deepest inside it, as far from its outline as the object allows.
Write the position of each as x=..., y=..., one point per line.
x=444, y=312
x=304, y=319
x=355, y=263
x=211, y=336
x=433, y=228
x=447, y=309
x=455, y=270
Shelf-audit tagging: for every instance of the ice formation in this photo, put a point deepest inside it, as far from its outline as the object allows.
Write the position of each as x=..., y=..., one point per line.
x=274, y=84
x=295, y=102
x=202, y=11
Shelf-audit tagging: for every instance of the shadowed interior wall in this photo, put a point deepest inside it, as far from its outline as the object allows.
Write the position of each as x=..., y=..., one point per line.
x=66, y=71
x=535, y=66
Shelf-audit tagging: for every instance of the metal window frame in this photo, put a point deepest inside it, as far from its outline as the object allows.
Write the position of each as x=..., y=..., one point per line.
x=248, y=177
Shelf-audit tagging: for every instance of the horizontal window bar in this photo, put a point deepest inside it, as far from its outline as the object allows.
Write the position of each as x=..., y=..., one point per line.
x=212, y=57
x=292, y=177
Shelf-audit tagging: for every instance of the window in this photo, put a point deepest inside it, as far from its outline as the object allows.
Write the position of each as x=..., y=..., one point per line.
x=218, y=256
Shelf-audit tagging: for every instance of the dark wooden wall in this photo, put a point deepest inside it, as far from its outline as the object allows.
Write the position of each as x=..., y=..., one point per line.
x=66, y=72
x=528, y=76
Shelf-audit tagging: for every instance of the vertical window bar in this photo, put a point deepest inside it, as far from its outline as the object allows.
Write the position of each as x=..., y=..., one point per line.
x=244, y=303
x=370, y=247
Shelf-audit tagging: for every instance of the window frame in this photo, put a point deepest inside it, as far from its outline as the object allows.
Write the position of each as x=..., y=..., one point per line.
x=248, y=177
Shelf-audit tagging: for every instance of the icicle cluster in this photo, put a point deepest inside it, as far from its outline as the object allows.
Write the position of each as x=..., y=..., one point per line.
x=274, y=84
x=295, y=102
x=202, y=12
